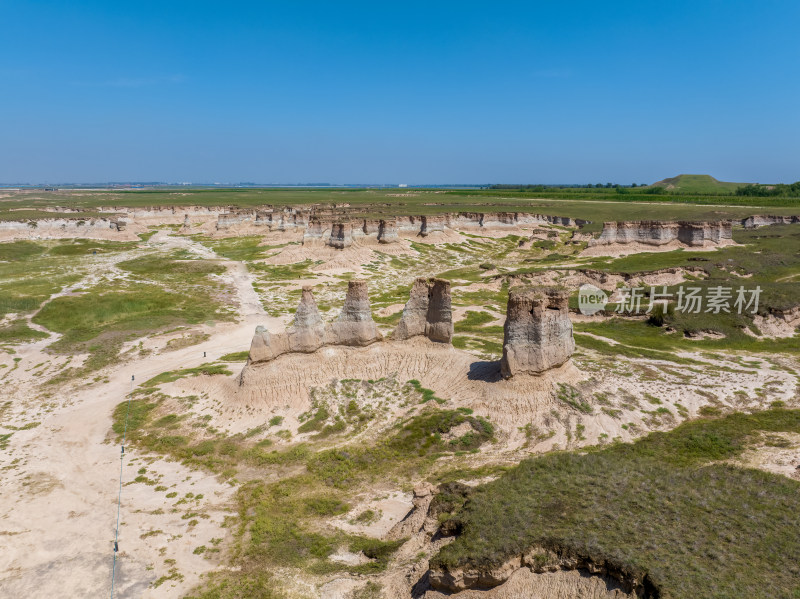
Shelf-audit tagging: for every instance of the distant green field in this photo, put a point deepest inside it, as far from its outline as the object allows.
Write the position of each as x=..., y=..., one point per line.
x=697, y=184
x=596, y=205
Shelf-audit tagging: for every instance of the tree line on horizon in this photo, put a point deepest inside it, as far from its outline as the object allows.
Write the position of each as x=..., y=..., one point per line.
x=751, y=189
x=777, y=190
x=542, y=187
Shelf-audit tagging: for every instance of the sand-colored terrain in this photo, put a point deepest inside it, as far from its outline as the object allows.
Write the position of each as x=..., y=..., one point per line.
x=61, y=478
x=61, y=460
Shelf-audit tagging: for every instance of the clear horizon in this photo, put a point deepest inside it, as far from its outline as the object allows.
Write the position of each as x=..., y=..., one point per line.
x=514, y=93
x=318, y=184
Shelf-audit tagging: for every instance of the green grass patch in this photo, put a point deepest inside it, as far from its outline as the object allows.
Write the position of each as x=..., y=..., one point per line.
x=314, y=421
x=32, y=272
x=158, y=266
x=99, y=321
x=473, y=320
x=664, y=507
x=573, y=398
x=283, y=272
x=420, y=439
x=239, y=356
x=427, y=394
x=20, y=250
x=485, y=347
x=4, y=440
x=697, y=184
x=244, y=249
x=18, y=331
x=250, y=585
x=85, y=247
x=636, y=337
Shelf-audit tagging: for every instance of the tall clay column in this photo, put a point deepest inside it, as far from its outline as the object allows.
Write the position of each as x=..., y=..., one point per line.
x=428, y=312
x=537, y=334
x=354, y=326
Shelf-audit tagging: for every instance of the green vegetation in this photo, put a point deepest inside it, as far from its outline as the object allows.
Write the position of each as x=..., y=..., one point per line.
x=277, y=519
x=366, y=517
x=161, y=293
x=29, y=275
x=371, y=590
x=767, y=253
x=495, y=300
x=766, y=258
x=474, y=320
x=282, y=523
x=578, y=202
x=99, y=321
x=250, y=585
x=427, y=394
x=18, y=331
x=315, y=422
x=20, y=250
x=284, y=272
x=239, y=356
x=481, y=338
x=239, y=248
x=174, y=375
x=169, y=268
x=775, y=191
x=573, y=398
x=87, y=247
x=697, y=185
x=484, y=347
x=690, y=523
x=636, y=338
x=414, y=443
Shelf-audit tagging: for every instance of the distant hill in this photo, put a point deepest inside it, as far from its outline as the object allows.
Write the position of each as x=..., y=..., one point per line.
x=697, y=184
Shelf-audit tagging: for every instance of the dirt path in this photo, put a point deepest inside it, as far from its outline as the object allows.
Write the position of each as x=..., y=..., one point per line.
x=60, y=470
x=60, y=479
x=238, y=275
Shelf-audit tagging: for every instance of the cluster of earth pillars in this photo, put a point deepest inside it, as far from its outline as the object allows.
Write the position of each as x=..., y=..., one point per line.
x=421, y=412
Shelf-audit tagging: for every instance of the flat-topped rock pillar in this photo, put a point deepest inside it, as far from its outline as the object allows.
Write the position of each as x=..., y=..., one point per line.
x=537, y=335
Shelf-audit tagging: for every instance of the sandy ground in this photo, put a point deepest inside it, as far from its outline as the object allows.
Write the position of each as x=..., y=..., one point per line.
x=61, y=476
x=575, y=278
x=778, y=453
x=348, y=260
x=61, y=479
x=524, y=584
x=282, y=386
x=774, y=326
x=615, y=250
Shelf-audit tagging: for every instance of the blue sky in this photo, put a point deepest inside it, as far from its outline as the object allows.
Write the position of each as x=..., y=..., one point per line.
x=414, y=92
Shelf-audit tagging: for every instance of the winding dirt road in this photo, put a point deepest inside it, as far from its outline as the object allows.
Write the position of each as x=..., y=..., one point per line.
x=60, y=478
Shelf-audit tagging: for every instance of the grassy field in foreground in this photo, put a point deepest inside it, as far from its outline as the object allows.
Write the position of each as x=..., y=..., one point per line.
x=667, y=506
